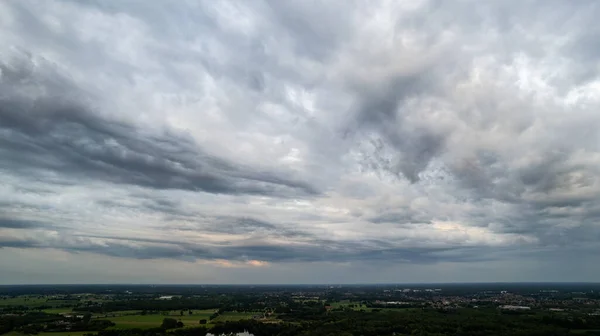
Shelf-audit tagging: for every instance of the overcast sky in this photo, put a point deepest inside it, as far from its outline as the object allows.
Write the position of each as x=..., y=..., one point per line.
x=299, y=141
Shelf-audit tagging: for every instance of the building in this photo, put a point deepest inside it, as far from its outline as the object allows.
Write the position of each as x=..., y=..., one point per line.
x=511, y=307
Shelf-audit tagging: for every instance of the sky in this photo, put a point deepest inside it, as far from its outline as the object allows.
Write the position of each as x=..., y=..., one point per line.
x=297, y=141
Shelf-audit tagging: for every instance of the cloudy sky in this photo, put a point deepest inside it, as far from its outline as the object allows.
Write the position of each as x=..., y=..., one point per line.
x=299, y=141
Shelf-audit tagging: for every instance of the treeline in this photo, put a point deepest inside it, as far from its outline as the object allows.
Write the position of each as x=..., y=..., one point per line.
x=254, y=327
x=13, y=322
x=306, y=313
x=152, y=305
x=425, y=323
x=33, y=323
x=313, y=321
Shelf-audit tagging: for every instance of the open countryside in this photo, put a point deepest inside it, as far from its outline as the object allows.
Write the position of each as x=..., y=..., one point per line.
x=369, y=310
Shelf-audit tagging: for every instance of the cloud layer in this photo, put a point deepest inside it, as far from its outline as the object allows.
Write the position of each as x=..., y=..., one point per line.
x=422, y=135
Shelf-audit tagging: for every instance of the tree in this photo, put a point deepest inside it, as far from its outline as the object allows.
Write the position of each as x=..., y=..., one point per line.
x=179, y=324
x=181, y=313
x=190, y=312
x=169, y=323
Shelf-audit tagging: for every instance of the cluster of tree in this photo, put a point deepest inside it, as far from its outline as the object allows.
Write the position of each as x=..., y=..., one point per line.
x=429, y=322
x=14, y=309
x=155, y=305
x=572, y=322
x=171, y=323
x=183, y=312
x=17, y=322
x=304, y=313
x=130, y=332
x=419, y=322
x=33, y=323
x=198, y=331
x=393, y=306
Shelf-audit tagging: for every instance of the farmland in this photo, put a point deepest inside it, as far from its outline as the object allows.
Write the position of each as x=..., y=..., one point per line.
x=155, y=320
x=66, y=333
x=299, y=311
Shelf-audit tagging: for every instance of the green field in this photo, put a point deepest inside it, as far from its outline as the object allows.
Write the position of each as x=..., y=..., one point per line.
x=231, y=316
x=66, y=333
x=30, y=301
x=116, y=313
x=155, y=320
x=57, y=310
x=33, y=301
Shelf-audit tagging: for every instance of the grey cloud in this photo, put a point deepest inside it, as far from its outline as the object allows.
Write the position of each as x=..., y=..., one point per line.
x=331, y=251
x=383, y=112
x=54, y=133
x=242, y=225
x=12, y=223
x=400, y=218
x=16, y=243
x=517, y=197
x=546, y=200
x=311, y=28
x=238, y=226
x=478, y=112
x=169, y=209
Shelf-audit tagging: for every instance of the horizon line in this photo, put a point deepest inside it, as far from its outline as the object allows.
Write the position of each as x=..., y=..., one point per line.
x=306, y=284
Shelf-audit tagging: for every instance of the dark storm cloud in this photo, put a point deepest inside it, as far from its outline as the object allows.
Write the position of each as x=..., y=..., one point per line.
x=383, y=113
x=524, y=190
x=232, y=225
x=16, y=243
x=113, y=249
x=11, y=223
x=63, y=135
x=400, y=218
x=326, y=250
x=147, y=203
x=552, y=198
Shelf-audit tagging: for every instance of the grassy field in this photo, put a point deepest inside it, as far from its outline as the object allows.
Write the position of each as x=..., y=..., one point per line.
x=117, y=313
x=57, y=310
x=155, y=320
x=30, y=301
x=230, y=316
x=66, y=333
